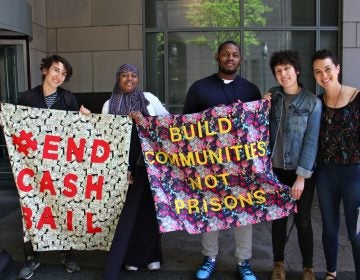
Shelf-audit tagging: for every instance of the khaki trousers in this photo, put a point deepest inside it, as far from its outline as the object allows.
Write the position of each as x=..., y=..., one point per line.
x=243, y=243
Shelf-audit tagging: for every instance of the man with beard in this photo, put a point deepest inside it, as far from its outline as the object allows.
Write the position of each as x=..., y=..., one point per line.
x=224, y=88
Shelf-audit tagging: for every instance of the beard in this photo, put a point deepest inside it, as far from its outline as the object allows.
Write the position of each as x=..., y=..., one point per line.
x=227, y=71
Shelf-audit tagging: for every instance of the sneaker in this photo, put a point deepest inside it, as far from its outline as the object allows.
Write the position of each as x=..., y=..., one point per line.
x=131, y=268
x=29, y=267
x=207, y=268
x=330, y=276
x=308, y=274
x=70, y=263
x=244, y=271
x=278, y=272
x=153, y=266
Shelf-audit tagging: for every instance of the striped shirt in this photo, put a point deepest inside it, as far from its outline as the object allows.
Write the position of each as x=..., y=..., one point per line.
x=51, y=99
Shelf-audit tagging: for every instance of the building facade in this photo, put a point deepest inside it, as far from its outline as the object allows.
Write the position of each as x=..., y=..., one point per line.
x=171, y=41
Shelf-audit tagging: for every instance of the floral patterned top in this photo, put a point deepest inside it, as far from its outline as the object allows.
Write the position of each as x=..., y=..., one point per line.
x=340, y=134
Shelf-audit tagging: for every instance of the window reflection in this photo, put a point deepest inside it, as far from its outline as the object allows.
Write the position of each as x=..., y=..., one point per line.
x=154, y=15
x=256, y=65
x=155, y=75
x=189, y=32
x=281, y=12
x=329, y=10
x=210, y=13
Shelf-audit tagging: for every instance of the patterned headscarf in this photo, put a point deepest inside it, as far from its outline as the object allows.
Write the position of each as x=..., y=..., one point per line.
x=121, y=102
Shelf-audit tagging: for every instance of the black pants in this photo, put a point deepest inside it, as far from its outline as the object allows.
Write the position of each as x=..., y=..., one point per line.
x=302, y=221
x=30, y=253
x=137, y=239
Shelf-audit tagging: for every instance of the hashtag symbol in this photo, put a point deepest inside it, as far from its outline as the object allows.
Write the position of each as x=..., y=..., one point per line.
x=24, y=142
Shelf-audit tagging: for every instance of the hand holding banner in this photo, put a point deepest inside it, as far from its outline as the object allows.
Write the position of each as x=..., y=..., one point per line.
x=211, y=170
x=71, y=175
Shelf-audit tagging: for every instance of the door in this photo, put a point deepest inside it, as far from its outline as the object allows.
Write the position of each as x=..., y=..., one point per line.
x=13, y=80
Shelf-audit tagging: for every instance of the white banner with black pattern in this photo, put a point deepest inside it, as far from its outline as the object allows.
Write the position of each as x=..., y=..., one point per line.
x=71, y=174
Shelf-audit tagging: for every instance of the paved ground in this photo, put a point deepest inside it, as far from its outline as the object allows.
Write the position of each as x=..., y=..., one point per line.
x=181, y=251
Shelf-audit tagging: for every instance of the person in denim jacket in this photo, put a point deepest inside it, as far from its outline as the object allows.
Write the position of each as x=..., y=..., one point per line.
x=294, y=132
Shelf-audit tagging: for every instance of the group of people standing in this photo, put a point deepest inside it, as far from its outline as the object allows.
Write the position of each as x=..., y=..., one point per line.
x=314, y=142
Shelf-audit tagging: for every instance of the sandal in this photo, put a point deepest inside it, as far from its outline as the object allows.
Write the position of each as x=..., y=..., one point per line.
x=329, y=276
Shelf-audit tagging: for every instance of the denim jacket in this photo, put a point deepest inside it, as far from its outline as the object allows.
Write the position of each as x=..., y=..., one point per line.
x=301, y=129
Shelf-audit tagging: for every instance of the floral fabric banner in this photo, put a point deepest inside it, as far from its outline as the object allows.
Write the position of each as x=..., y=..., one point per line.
x=211, y=170
x=71, y=175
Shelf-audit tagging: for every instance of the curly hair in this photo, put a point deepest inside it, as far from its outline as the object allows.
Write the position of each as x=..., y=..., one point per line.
x=285, y=57
x=55, y=58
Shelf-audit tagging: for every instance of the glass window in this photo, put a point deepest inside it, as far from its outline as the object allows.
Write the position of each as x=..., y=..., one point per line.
x=255, y=65
x=190, y=31
x=329, y=40
x=279, y=13
x=155, y=73
x=154, y=13
x=329, y=12
x=13, y=70
x=13, y=82
x=203, y=14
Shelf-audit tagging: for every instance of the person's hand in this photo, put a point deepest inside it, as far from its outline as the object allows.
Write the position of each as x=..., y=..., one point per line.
x=138, y=117
x=298, y=187
x=130, y=178
x=267, y=96
x=84, y=111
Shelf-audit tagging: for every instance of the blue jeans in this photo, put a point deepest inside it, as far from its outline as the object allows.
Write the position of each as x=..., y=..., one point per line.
x=334, y=183
x=302, y=221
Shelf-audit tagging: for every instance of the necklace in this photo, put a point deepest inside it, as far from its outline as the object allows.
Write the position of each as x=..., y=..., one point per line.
x=330, y=111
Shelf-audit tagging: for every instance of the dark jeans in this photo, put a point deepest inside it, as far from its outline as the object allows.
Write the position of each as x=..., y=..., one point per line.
x=29, y=252
x=334, y=183
x=302, y=221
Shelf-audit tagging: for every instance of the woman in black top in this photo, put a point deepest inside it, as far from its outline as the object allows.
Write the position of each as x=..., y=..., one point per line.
x=338, y=168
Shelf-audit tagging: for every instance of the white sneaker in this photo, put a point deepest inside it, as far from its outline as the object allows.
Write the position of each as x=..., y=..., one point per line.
x=153, y=266
x=131, y=268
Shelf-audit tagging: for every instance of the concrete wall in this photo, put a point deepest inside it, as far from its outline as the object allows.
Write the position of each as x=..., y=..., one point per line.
x=351, y=43
x=96, y=36
x=38, y=46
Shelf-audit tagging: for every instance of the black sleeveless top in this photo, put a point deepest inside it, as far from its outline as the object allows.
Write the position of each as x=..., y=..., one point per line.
x=339, y=141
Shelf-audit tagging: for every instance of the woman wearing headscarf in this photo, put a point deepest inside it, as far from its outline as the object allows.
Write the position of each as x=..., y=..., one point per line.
x=137, y=239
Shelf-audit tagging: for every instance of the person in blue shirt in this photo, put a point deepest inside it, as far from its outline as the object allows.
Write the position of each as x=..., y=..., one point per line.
x=224, y=88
